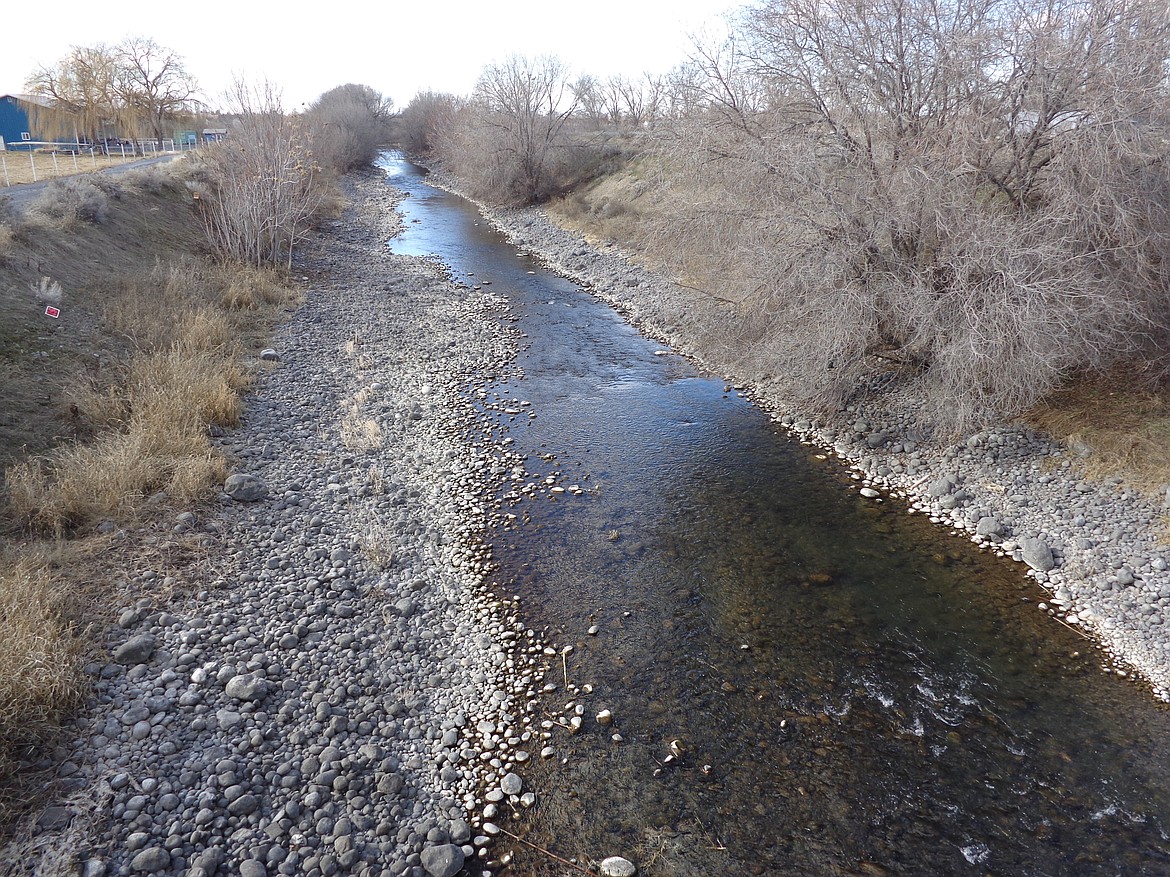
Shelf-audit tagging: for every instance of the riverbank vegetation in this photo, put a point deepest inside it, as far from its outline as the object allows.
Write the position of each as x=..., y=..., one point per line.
x=132, y=311
x=971, y=197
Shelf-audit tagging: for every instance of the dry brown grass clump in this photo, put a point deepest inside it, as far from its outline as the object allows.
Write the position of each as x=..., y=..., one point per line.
x=1121, y=426
x=40, y=667
x=154, y=437
x=149, y=415
x=36, y=688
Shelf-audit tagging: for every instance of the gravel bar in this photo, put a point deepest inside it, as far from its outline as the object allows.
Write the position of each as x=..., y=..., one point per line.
x=342, y=691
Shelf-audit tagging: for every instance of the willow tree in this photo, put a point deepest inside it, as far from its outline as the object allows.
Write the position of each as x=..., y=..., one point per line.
x=82, y=93
x=99, y=91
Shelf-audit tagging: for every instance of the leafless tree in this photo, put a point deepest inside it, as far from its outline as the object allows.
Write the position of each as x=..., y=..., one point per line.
x=631, y=103
x=136, y=87
x=152, y=84
x=421, y=126
x=589, y=101
x=349, y=124
x=975, y=189
x=264, y=187
x=524, y=104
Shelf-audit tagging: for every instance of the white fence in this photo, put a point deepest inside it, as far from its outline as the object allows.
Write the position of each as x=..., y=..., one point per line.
x=30, y=161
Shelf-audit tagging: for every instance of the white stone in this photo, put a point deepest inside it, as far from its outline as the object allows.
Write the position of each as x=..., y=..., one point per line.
x=616, y=866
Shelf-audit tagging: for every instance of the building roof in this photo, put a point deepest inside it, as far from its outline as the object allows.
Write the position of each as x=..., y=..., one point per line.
x=30, y=99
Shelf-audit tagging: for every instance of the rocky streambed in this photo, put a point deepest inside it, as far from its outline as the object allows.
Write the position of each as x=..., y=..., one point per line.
x=339, y=689
x=1099, y=548
x=336, y=688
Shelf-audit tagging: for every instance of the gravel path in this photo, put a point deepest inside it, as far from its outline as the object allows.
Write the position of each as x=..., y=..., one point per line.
x=343, y=691
x=1099, y=548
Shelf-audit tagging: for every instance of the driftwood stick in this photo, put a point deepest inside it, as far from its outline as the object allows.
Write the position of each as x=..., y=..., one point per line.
x=546, y=852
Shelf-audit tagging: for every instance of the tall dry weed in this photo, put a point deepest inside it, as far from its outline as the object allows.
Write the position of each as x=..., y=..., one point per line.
x=255, y=289
x=40, y=674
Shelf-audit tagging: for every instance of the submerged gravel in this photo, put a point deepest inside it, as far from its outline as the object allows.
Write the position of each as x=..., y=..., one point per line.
x=1098, y=547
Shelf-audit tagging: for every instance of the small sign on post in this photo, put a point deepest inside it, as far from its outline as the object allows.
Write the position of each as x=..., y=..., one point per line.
x=53, y=312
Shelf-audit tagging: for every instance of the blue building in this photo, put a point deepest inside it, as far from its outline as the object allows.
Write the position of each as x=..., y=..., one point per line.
x=18, y=119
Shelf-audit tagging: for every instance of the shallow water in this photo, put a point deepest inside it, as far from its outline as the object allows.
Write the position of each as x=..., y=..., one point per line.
x=856, y=692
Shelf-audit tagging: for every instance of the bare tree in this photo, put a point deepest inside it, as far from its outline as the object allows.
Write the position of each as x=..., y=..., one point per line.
x=587, y=95
x=630, y=102
x=152, y=83
x=264, y=187
x=97, y=91
x=525, y=104
x=421, y=127
x=349, y=124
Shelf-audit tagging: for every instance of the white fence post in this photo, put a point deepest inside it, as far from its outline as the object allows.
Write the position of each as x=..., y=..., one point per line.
x=32, y=164
x=4, y=163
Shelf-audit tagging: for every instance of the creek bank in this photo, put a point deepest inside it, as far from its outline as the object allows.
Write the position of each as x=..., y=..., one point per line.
x=340, y=690
x=1094, y=546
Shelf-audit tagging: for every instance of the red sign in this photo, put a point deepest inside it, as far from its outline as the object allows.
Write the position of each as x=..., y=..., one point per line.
x=53, y=312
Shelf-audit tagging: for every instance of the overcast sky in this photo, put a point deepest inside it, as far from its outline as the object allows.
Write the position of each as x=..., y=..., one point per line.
x=397, y=48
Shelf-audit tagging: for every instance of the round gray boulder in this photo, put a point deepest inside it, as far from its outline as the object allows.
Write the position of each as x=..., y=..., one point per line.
x=443, y=860
x=243, y=487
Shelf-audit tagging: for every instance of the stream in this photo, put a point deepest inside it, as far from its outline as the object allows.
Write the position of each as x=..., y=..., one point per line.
x=849, y=690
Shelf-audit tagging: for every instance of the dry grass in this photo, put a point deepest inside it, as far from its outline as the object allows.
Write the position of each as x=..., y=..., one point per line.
x=196, y=304
x=1122, y=424
x=151, y=435
x=360, y=433
x=253, y=290
x=17, y=168
x=40, y=665
x=36, y=685
x=149, y=415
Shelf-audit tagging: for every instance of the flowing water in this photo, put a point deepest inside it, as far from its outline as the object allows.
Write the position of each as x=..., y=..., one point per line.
x=853, y=691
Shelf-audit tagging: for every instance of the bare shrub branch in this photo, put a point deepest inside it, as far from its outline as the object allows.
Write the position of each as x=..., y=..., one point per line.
x=975, y=189
x=265, y=187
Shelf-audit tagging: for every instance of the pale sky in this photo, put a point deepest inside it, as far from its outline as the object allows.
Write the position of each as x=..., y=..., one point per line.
x=397, y=48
